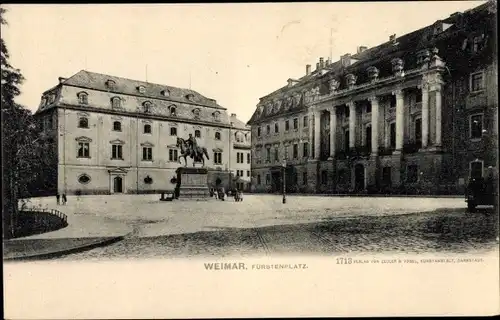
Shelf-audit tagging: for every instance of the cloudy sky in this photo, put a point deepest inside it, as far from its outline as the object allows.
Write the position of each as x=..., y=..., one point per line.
x=234, y=53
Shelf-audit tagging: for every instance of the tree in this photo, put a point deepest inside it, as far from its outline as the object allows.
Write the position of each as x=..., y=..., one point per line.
x=24, y=147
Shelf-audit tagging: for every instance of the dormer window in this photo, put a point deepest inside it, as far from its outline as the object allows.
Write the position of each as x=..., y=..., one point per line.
x=216, y=115
x=190, y=97
x=52, y=98
x=44, y=102
x=173, y=111
x=110, y=85
x=165, y=93
x=147, y=106
x=478, y=43
x=196, y=113
x=141, y=89
x=116, y=103
x=83, y=98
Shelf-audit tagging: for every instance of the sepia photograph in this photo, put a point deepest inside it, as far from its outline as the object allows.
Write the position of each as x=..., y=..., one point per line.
x=321, y=145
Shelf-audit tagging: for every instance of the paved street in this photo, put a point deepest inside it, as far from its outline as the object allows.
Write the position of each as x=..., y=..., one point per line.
x=453, y=231
x=149, y=217
x=262, y=225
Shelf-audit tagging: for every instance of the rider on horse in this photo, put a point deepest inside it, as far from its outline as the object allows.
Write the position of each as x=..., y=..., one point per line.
x=193, y=145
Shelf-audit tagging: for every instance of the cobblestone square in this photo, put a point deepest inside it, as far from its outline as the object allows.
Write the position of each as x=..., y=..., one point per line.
x=262, y=225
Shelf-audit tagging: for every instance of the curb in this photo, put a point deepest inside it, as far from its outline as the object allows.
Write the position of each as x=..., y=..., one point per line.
x=55, y=254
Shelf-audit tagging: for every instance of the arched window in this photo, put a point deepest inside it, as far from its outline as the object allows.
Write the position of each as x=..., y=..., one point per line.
x=196, y=113
x=216, y=115
x=147, y=106
x=110, y=84
x=173, y=110
x=217, y=136
x=165, y=93
x=83, y=98
x=141, y=89
x=83, y=122
x=147, y=128
x=116, y=103
x=117, y=126
x=197, y=133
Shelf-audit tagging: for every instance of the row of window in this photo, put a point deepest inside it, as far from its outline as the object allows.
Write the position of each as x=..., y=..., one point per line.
x=295, y=122
x=147, y=153
x=239, y=173
x=476, y=171
x=85, y=179
x=240, y=157
x=83, y=123
x=295, y=152
x=477, y=84
x=111, y=85
x=116, y=103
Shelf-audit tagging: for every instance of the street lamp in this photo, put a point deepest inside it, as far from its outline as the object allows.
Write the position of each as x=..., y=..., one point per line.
x=284, y=180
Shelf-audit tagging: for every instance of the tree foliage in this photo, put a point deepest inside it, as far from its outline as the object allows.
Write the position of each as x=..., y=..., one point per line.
x=24, y=147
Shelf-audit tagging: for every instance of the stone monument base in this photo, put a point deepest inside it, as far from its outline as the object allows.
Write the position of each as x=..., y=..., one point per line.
x=192, y=184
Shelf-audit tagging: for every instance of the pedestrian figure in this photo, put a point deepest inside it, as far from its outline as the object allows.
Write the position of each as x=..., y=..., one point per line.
x=57, y=197
x=64, y=200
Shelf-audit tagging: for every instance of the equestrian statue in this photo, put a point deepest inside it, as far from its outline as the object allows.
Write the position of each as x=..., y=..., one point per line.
x=190, y=148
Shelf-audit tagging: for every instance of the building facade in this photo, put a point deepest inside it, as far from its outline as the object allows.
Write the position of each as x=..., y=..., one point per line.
x=417, y=114
x=116, y=135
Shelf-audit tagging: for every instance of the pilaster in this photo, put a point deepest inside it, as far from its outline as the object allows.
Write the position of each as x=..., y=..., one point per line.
x=352, y=124
x=333, y=132
x=399, y=119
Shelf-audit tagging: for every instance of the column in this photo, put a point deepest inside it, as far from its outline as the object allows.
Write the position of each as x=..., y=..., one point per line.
x=311, y=134
x=437, y=92
x=317, y=134
x=399, y=119
x=352, y=124
x=375, y=114
x=333, y=131
x=425, y=115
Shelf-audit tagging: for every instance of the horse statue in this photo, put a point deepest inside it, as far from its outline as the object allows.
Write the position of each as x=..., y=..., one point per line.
x=198, y=154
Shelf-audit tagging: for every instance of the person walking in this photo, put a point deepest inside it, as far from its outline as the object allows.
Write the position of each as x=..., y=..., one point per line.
x=64, y=200
x=57, y=198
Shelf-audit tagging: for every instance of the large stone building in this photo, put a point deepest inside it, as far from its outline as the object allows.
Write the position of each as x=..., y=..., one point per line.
x=416, y=114
x=116, y=135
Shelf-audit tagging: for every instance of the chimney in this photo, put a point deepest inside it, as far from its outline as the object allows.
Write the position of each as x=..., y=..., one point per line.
x=233, y=115
x=392, y=37
x=61, y=79
x=328, y=62
x=321, y=63
x=308, y=69
x=361, y=49
x=317, y=65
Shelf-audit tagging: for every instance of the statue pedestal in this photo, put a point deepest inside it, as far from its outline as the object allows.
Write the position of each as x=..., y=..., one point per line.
x=192, y=184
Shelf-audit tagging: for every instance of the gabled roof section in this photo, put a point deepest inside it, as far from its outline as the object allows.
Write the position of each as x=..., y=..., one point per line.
x=97, y=81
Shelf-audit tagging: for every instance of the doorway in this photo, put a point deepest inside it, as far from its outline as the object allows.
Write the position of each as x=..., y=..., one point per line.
x=359, y=177
x=117, y=185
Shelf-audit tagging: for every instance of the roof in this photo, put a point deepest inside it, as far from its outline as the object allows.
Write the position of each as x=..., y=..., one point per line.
x=97, y=81
x=238, y=124
x=381, y=56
